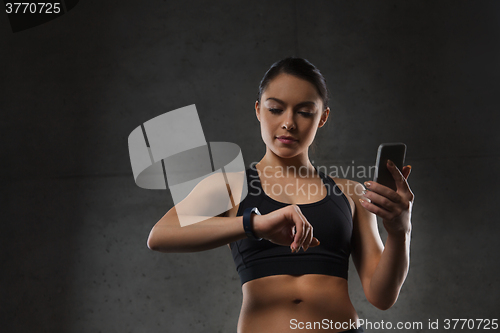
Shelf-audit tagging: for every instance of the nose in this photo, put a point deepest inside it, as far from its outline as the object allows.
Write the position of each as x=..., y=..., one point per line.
x=288, y=120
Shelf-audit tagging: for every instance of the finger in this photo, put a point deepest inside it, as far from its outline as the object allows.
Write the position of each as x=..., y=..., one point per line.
x=308, y=238
x=406, y=193
x=384, y=191
x=406, y=171
x=293, y=231
x=305, y=236
x=375, y=209
x=380, y=200
x=314, y=242
x=401, y=183
x=299, y=221
x=303, y=241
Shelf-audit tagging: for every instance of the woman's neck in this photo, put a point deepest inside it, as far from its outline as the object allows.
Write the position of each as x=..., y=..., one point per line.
x=272, y=162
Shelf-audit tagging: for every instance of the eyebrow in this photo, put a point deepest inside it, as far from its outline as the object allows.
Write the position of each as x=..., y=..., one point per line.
x=305, y=103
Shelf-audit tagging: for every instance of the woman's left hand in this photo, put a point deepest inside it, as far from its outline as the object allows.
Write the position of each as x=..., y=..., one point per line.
x=394, y=207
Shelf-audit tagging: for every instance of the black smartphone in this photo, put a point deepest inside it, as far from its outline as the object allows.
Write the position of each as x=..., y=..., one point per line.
x=395, y=152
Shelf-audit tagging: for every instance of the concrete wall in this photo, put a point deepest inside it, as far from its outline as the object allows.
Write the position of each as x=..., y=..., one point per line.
x=75, y=225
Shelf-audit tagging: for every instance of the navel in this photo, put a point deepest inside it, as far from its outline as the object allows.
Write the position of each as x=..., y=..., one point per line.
x=297, y=301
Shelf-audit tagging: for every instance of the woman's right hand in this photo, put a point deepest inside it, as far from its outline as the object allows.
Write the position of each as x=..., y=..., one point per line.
x=285, y=226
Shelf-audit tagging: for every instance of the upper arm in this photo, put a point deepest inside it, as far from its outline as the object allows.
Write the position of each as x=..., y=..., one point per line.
x=198, y=204
x=367, y=245
x=211, y=197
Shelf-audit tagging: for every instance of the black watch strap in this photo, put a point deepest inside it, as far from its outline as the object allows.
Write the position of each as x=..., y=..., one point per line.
x=247, y=223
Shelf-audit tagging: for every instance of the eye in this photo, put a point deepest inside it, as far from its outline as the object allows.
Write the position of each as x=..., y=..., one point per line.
x=306, y=114
x=275, y=111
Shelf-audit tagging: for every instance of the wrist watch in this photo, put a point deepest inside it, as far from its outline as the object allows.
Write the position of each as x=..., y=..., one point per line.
x=247, y=223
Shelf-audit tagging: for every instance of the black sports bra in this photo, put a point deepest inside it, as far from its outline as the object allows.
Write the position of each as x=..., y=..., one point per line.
x=331, y=218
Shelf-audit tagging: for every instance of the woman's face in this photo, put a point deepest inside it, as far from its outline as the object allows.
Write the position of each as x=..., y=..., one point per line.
x=290, y=107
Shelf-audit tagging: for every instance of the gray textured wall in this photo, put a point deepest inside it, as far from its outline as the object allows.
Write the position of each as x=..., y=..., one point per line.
x=74, y=224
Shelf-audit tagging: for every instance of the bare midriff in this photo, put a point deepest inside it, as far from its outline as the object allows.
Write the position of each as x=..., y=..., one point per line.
x=280, y=303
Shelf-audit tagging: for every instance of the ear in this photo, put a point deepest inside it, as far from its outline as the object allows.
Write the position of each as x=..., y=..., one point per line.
x=257, y=110
x=324, y=117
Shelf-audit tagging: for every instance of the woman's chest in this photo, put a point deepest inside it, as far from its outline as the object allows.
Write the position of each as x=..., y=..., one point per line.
x=294, y=190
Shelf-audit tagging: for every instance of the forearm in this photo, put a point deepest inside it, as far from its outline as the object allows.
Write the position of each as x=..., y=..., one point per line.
x=391, y=271
x=200, y=236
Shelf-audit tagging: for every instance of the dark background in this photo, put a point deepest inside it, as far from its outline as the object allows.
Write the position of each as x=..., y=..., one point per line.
x=74, y=224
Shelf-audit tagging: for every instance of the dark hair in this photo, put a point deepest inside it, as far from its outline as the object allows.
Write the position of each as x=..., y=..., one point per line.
x=300, y=68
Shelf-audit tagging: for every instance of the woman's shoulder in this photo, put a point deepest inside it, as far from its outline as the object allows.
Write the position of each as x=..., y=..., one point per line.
x=353, y=190
x=349, y=184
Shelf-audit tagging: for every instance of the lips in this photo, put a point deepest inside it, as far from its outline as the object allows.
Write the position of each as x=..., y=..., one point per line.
x=287, y=139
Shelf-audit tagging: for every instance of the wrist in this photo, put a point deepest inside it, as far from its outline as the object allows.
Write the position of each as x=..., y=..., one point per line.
x=256, y=222
x=399, y=236
x=249, y=215
x=398, y=229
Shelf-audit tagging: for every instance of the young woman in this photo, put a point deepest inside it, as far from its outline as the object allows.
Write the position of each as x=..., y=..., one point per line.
x=295, y=277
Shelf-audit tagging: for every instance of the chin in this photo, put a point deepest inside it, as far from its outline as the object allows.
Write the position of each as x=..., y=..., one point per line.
x=284, y=152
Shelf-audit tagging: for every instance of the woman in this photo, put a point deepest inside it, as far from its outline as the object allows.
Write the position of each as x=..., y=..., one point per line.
x=296, y=276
